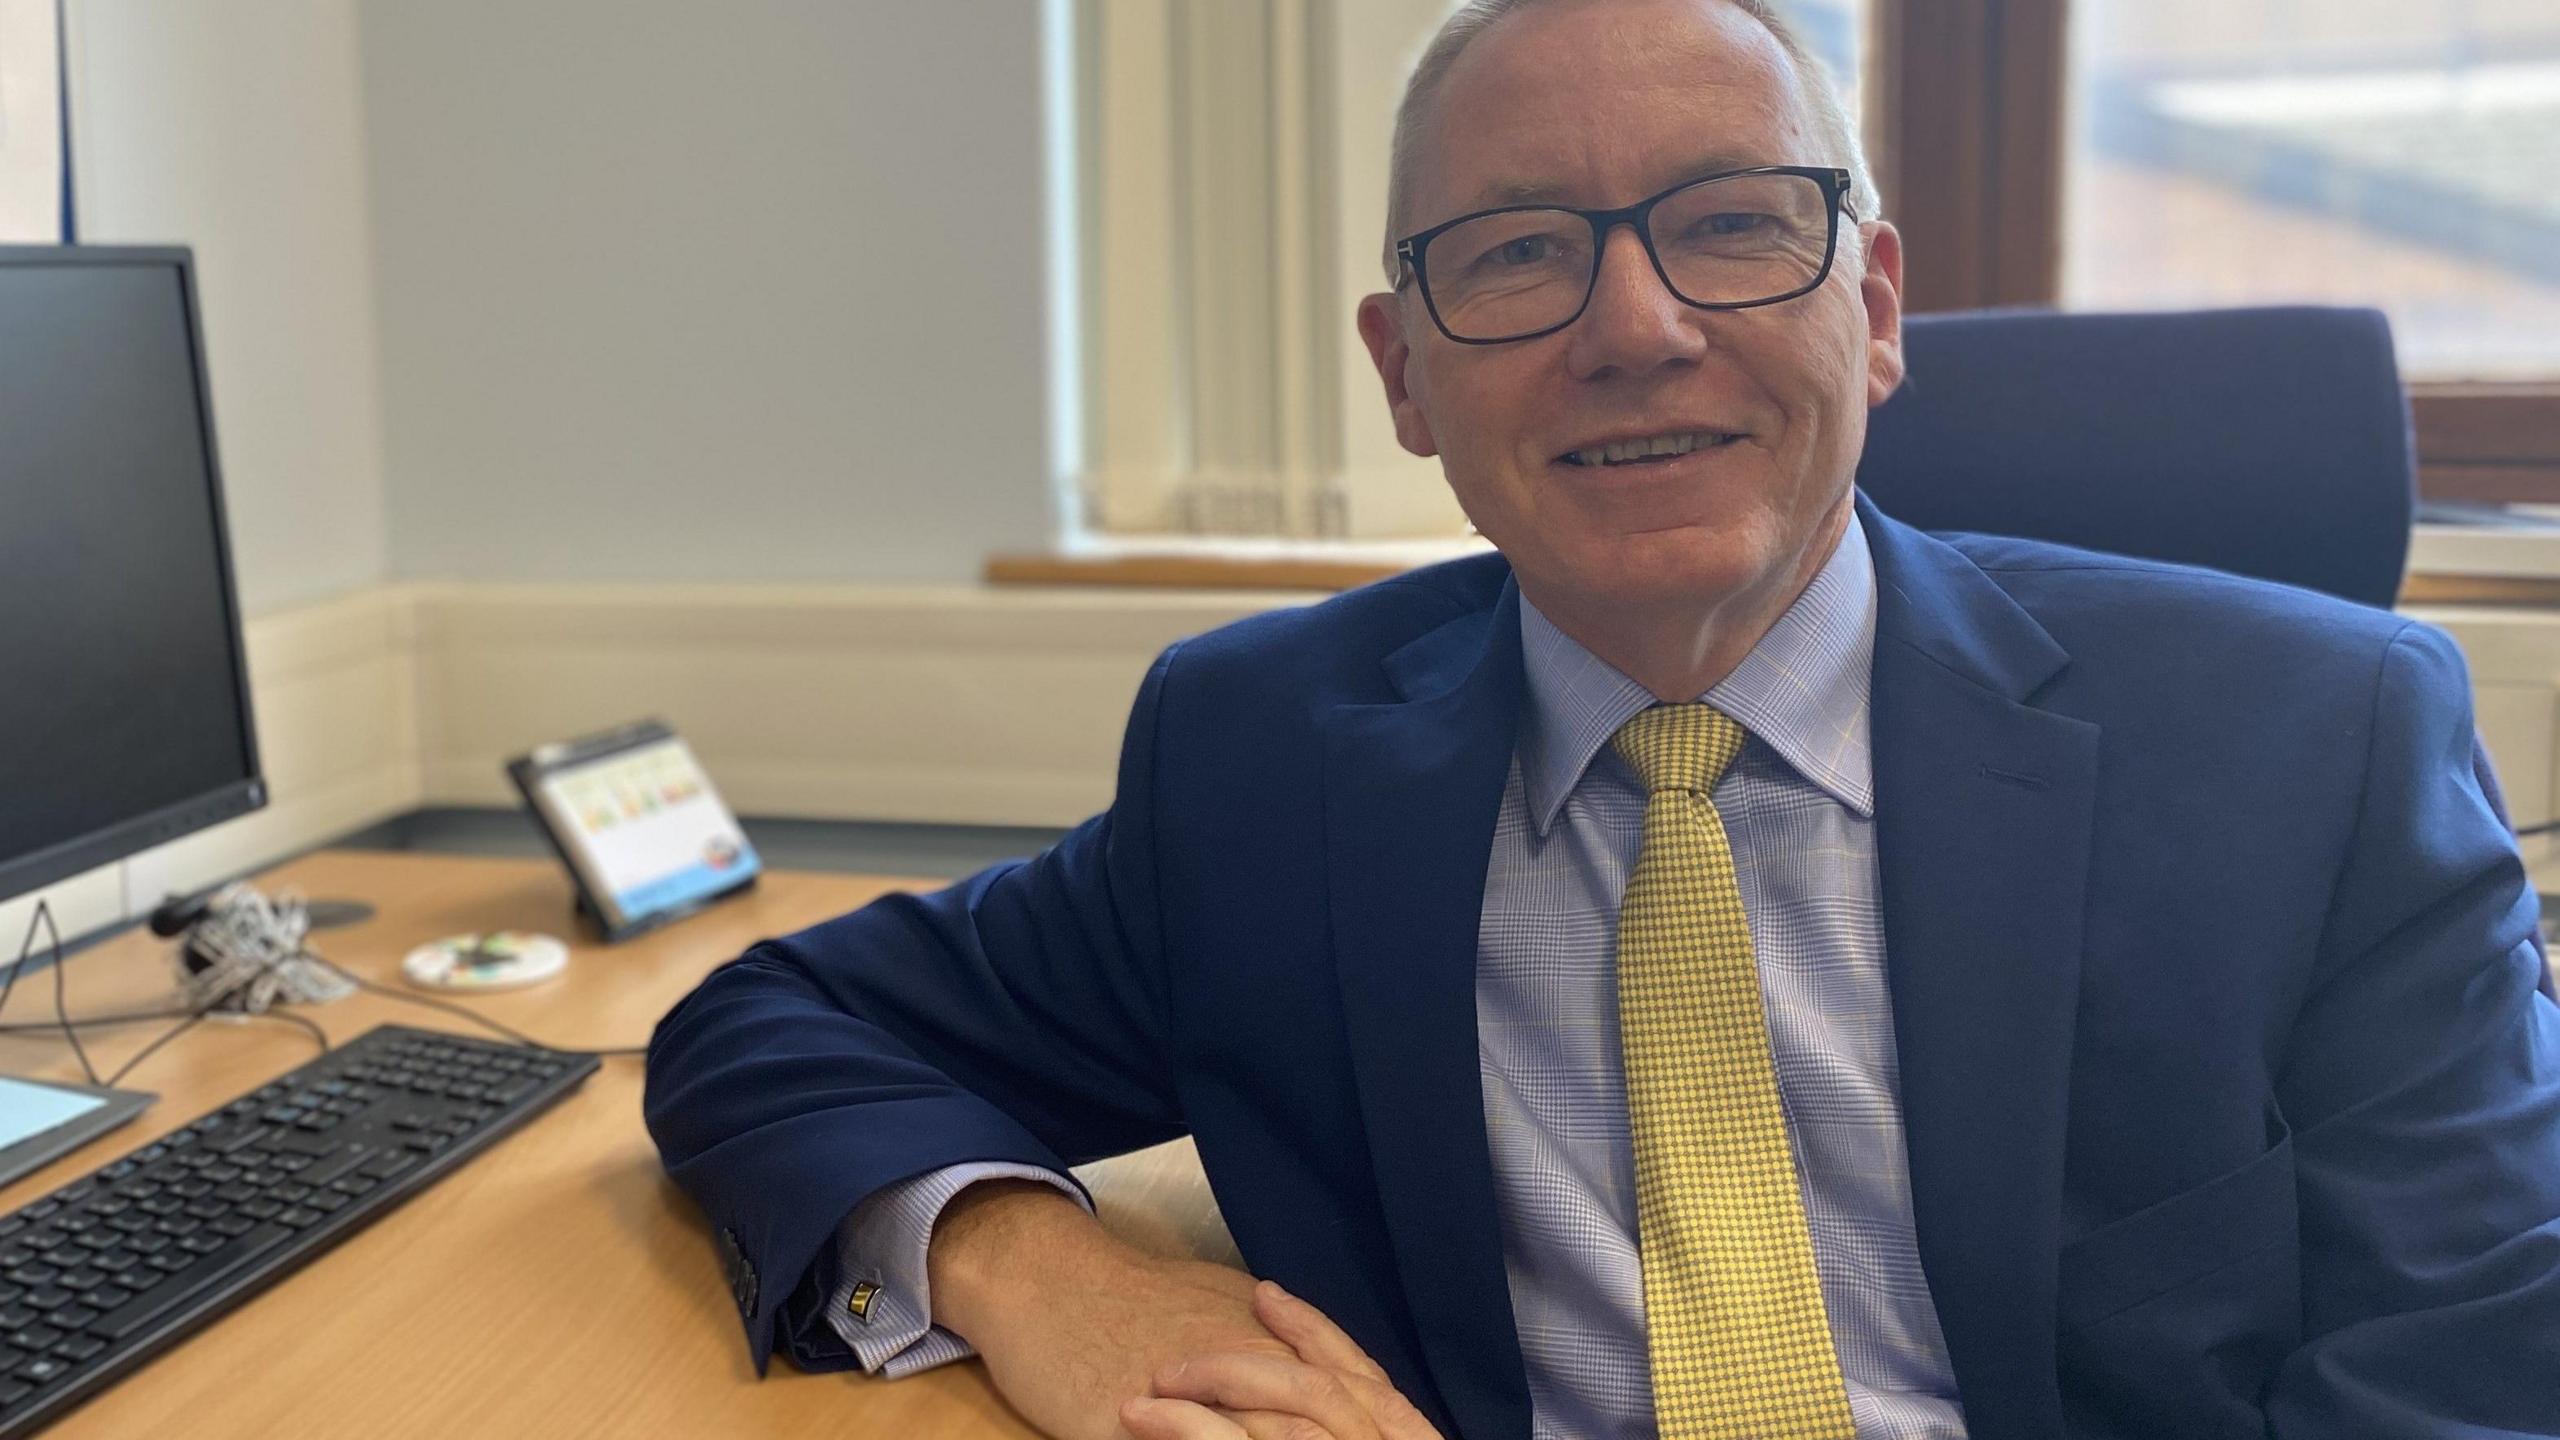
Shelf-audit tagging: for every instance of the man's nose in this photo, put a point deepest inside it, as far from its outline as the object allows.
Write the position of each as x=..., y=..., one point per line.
x=1633, y=323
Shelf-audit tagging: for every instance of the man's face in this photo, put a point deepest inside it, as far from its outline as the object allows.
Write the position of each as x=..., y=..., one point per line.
x=1601, y=103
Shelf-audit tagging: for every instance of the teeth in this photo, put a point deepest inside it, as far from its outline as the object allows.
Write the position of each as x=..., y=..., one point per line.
x=1627, y=450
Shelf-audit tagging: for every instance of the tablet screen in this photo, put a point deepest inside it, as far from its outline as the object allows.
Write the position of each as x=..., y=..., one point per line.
x=646, y=828
x=29, y=1109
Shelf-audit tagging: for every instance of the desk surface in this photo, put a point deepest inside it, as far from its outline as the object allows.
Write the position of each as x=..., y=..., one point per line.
x=557, y=1284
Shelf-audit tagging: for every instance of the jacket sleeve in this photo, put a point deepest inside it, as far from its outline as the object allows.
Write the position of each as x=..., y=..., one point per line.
x=2423, y=1090
x=1017, y=1017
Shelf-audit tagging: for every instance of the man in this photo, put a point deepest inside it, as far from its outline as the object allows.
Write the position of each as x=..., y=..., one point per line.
x=1730, y=965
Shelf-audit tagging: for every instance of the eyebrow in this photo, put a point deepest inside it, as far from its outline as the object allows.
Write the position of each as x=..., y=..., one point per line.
x=1548, y=192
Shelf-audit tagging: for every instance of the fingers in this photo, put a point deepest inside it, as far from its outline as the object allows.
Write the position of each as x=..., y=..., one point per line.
x=1311, y=1332
x=1155, y=1419
x=1239, y=1380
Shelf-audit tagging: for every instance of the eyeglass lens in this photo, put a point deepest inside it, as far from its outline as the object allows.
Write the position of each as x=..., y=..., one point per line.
x=1739, y=240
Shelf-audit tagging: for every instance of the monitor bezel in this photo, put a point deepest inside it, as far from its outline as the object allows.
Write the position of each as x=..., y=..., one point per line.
x=20, y=875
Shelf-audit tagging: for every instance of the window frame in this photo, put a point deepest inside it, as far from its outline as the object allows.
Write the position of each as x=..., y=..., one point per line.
x=1976, y=186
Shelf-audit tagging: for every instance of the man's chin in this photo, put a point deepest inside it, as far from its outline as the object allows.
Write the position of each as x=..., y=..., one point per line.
x=1686, y=566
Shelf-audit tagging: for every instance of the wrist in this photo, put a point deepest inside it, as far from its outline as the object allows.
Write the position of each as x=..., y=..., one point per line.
x=993, y=1242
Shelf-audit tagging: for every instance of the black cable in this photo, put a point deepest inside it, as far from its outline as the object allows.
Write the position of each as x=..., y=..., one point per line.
x=181, y=1028
x=188, y=1018
x=61, y=1000
x=91, y=1022
x=62, y=997
x=292, y=1019
x=474, y=1016
x=207, y=1013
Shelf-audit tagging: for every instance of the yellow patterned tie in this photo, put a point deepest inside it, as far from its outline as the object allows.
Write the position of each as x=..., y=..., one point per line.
x=1741, y=1343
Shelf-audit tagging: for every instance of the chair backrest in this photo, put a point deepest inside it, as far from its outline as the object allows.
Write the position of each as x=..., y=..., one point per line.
x=2272, y=443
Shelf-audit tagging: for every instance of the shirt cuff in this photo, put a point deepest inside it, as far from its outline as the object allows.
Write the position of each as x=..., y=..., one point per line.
x=880, y=1306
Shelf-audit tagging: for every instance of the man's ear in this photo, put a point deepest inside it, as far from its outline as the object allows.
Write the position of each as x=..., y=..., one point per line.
x=1382, y=329
x=1881, y=289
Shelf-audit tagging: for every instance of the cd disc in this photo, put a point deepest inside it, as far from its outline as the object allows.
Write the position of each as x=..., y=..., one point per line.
x=499, y=960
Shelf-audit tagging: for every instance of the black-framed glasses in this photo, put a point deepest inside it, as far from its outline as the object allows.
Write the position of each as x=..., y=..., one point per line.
x=1728, y=241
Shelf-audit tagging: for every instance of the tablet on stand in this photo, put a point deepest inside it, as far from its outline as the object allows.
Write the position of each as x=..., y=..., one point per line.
x=636, y=821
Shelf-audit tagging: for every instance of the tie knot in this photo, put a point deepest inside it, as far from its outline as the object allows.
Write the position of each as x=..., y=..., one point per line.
x=1680, y=747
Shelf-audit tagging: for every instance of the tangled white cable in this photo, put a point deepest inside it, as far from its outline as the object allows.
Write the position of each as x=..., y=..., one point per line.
x=246, y=953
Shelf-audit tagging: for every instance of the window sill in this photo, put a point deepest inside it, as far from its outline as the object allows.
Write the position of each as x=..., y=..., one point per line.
x=2448, y=565
x=1188, y=563
x=2462, y=565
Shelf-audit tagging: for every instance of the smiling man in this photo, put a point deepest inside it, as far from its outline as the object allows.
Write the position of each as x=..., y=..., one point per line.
x=1727, y=966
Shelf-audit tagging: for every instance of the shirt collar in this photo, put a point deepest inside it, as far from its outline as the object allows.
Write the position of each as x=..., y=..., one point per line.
x=1802, y=691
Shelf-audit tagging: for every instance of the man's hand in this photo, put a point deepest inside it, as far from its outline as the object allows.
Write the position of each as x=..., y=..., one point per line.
x=1074, y=1324
x=1328, y=1388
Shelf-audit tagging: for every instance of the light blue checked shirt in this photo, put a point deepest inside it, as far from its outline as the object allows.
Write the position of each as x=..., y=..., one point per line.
x=1799, y=805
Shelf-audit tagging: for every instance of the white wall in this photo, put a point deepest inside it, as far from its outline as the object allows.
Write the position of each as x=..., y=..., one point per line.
x=678, y=291
x=30, y=138
x=238, y=129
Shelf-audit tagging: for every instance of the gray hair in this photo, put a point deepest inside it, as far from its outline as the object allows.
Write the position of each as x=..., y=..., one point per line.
x=1831, y=126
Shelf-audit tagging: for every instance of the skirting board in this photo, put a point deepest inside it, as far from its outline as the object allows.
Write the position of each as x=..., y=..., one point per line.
x=935, y=704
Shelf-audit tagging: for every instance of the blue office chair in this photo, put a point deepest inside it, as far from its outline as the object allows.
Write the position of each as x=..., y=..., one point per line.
x=2270, y=443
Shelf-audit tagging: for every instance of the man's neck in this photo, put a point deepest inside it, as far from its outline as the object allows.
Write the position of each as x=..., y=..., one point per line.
x=1680, y=653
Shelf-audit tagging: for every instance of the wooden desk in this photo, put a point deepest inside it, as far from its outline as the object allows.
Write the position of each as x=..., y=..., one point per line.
x=556, y=1285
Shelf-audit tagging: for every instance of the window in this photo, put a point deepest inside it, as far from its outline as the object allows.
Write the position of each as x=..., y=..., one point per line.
x=2405, y=155
x=2121, y=153
x=2099, y=154
x=1231, y=193
x=30, y=124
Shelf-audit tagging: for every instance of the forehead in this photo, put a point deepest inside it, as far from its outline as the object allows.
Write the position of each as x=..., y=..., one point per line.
x=1601, y=102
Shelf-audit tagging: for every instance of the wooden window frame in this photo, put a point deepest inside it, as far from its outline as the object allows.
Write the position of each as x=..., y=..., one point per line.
x=1973, y=99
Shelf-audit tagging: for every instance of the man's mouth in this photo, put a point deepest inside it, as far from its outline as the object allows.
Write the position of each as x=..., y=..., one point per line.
x=1650, y=450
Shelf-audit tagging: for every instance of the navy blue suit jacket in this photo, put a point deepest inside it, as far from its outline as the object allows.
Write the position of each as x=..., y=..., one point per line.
x=2230, y=1096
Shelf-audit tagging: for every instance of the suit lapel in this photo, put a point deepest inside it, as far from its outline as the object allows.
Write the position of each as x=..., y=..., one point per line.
x=1411, y=794
x=1984, y=808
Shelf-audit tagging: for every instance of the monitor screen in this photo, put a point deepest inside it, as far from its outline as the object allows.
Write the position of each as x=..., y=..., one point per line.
x=124, y=716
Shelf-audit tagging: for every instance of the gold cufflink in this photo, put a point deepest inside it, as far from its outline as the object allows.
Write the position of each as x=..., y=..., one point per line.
x=859, y=1302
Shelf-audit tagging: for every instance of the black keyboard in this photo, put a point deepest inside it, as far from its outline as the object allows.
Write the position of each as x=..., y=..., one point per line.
x=106, y=1273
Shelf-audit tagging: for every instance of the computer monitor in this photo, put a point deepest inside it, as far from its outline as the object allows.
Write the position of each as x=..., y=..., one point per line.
x=124, y=697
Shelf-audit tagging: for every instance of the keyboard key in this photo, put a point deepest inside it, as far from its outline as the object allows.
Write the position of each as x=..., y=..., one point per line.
x=42, y=1370
x=383, y=1167
x=72, y=1317
x=105, y=1297
x=236, y=1139
x=184, y=1286
x=79, y=1348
